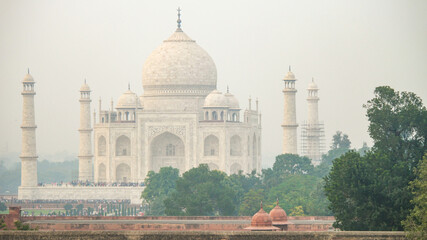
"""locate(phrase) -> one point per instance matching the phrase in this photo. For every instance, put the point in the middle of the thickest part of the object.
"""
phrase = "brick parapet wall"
(112, 235)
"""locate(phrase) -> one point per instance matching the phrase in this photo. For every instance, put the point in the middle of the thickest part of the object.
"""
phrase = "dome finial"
(179, 18)
(128, 85)
(261, 204)
(312, 79)
(290, 68)
(28, 70)
(228, 89)
(277, 201)
(85, 80)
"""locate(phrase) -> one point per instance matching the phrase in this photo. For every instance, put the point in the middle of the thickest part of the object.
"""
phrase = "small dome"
(28, 78)
(312, 85)
(290, 76)
(128, 100)
(262, 221)
(232, 101)
(278, 214)
(216, 99)
(85, 88)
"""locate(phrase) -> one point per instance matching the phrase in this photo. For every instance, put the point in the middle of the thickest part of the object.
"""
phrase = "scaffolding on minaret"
(313, 141)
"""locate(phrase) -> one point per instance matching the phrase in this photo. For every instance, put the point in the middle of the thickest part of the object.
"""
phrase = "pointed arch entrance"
(166, 150)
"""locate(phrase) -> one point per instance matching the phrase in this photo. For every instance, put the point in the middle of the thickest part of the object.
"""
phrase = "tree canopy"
(201, 192)
(371, 192)
(158, 187)
(416, 222)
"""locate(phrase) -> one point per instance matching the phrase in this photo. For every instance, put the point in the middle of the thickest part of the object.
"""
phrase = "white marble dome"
(128, 100)
(215, 99)
(28, 78)
(312, 85)
(179, 63)
(232, 101)
(85, 88)
(290, 76)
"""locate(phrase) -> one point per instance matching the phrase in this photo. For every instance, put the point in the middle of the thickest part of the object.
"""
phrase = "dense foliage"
(3, 206)
(202, 192)
(159, 186)
(416, 223)
(371, 192)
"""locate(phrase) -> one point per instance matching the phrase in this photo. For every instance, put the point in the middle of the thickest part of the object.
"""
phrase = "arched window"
(170, 150)
(127, 116)
(234, 117)
(211, 146)
(222, 116)
(207, 116)
(102, 146)
(123, 146)
(214, 116)
(167, 150)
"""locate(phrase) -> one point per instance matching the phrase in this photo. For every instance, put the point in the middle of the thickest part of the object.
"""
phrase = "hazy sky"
(349, 47)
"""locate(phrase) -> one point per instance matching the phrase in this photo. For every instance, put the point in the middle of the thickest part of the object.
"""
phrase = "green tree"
(340, 145)
(350, 197)
(2, 206)
(297, 211)
(158, 187)
(340, 140)
(398, 126)
(416, 223)
(299, 190)
(371, 192)
(68, 207)
(242, 184)
(287, 164)
(201, 192)
(79, 208)
(251, 201)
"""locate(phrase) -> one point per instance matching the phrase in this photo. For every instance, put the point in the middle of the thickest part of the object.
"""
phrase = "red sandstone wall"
(13, 216)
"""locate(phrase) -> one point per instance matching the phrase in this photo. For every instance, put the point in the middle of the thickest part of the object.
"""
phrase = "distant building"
(180, 120)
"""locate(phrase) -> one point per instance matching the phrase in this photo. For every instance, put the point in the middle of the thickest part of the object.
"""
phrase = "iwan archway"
(166, 150)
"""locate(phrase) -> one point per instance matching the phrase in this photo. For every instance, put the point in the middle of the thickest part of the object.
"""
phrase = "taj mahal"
(181, 120)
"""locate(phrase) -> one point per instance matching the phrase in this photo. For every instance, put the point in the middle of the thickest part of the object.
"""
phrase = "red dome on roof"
(261, 219)
(278, 214)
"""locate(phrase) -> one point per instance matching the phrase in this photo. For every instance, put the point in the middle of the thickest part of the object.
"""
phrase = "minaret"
(313, 128)
(29, 152)
(289, 119)
(312, 103)
(85, 130)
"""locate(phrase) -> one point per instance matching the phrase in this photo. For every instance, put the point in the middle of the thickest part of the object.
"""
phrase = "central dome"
(179, 65)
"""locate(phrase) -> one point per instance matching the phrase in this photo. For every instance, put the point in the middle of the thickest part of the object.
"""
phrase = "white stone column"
(29, 153)
(85, 132)
(289, 119)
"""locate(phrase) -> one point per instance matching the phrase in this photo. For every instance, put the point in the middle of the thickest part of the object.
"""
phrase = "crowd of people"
(77, 183)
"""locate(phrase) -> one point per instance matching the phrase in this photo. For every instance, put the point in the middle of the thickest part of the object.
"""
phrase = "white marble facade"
(180, 120)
